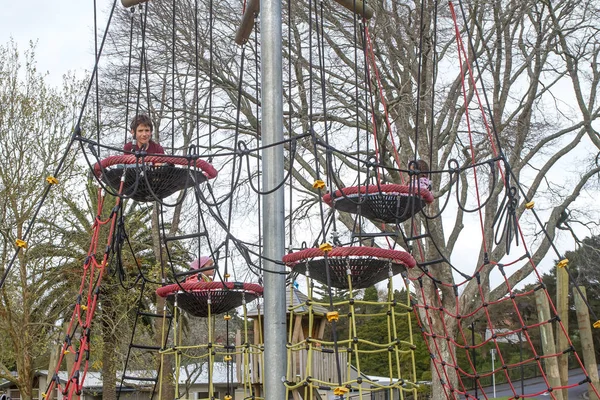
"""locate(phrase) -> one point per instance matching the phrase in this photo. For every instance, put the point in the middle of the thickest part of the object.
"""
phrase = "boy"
(141, 130)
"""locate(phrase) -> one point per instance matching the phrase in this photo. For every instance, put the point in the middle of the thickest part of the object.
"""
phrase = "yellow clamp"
(65, 352)
(596, 324)
(227, 317)
(52, 180)
(340, 391)
(227, 397)
(83, 307)
(530, 205)
(44, 395)
(563, 263)
(226, 276)
(332, 316)
(21, 243)
(325, 247)
(319, 184)
(227, 358)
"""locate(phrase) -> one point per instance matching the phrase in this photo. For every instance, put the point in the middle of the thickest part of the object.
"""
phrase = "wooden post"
(562, 304)
(247, 23)
(587, 343)
(131, 3)
(548, 347)
(357, 6)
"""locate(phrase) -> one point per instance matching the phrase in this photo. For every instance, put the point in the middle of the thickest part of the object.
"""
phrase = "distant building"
(503, 335)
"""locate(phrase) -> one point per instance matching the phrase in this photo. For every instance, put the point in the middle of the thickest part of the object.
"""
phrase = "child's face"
(142, 134)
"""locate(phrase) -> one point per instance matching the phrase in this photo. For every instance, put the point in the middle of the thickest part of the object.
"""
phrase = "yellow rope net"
(318, 365)
(242, 359)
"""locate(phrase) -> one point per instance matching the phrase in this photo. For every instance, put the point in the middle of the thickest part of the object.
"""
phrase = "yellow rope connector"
(227, 397)
(340, 391)
(596, 324)
(21, 243)
(83, 307)
(333, 316)
(226, 276)
(65, 352)
(530, 205)
(563, 263)
(319, 184)
(325, 247)
(52, 180)
(227, 358)
(227, 317)
(44, 395)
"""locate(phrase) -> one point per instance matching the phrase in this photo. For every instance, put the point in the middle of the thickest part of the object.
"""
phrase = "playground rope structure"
(391, 238)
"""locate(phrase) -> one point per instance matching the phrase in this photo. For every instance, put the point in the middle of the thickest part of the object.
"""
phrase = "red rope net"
(472, 337)
(78, 337)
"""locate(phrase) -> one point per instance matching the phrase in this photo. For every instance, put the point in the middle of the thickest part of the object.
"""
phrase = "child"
(421, 181)
(205, 276)
(141, 130)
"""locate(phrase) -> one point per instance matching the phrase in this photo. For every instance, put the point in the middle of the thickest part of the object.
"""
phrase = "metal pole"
(273, 205)
(474, 355)
(521, 361)
(493, 351)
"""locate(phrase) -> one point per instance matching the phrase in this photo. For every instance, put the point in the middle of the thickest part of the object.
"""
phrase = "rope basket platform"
(365, 265)
(384, 203)
(146, 182)
(198, 298)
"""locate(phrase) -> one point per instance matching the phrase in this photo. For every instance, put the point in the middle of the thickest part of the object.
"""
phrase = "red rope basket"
(202, 299)
(365, 266)
(389, 203)
(207, 169)
(155, 178)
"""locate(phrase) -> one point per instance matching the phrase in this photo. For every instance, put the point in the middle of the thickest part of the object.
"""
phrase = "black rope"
(481, 81)
(433, 82)
(97, 79)
(419, 72)
(173, 49)
(128, 85)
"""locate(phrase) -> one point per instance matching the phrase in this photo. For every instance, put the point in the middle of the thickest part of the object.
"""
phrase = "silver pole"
(493, 351)
(271, 69)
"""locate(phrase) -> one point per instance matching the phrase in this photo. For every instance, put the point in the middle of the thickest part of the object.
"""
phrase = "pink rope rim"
(372, 189)
(207, 169)
(251, 288)
(396, 256)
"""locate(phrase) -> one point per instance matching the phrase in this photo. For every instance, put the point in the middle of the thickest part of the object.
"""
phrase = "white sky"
(64, 31)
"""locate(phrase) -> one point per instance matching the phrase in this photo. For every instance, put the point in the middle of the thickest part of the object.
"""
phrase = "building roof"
(222, 373)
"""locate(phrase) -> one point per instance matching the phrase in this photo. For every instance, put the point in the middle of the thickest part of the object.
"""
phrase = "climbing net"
(320, 364)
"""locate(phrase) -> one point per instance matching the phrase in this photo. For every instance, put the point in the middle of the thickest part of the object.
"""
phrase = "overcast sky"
(64, 31)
